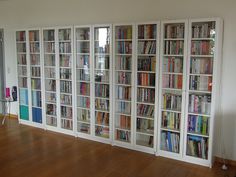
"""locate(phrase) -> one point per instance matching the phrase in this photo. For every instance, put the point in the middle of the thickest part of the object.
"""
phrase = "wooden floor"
(32, 152)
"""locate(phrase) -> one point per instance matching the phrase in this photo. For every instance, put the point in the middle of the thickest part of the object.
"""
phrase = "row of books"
(202, 47)
(66, 99)
(200, 104)
(144, 140)
(21, 59)
(123, 135)
(35, 71)
(65, 60)
(64, 34)
(65, 73)
(174, 47)
(102, 131)
(147, 31)
(34, 59)
(23, 94)
(197, 146)
(123, 77)
(66, 112)
(124, 32)
(37, 115)
(102, 104)
(123, 93)
(49, 47)
(172, 81)
(51, 109)
(22, 71)
(48, 35)
(102, 90)
(65, 47)
(82, 47)
(124, 47)
(146, 79)
(83, 88)
(147, 47)
(201, 66)
(84, 128)
(82, 61)
(102, 118)
(174, 31)
(170, 141)
(50, 73)
(22, 81)
(52, 121)
(102, 76)
(146, 126)
(66, 86)
(123, 107)
(173, 64)
(102, 49)
(67, 124)
(34, 47)
(123, 62)
(83, 101)
(21, 47)
(146, 64)
(144, 110)
(202, 83)
(123, 122)
(82, 33)
(36, 99)
(50, 85)
(198, 124)
(20, 36)
(170, 120)
(36, 84)
(146, 95)
(34, 35)
(102, 62)
(171, 101)
(50, 97)
(204, 30)
(83, 115)
(49, 60)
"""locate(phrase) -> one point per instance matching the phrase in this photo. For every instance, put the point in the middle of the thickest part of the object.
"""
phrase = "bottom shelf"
(197, 146)
(170, 141)
(52, 121)
(102, 131)
(67, 124)
(37, 115)
(122, 135)
(83, 127)
(144, 140)
(24, 112)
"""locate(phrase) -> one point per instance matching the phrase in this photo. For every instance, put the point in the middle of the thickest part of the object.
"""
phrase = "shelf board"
(66, 105)
(67, 80)
(80, 107)
(101, 54)
(172, 89)
(170, 130)
(49, 53)
(104, 83)
(20, 42)
(147, 39)
(151, 55)
(173, 39)
(149, 72)
(64, 53)
(82, 40)
(66, 41)
(83, 81)
(200, 91)
(64, 93)
(123, 40)
(123, 54)
(97, 69)
(100, 110)
(202, 39)
(48, 78)
(142, 86)
(152, 104)
(198, 114)
(124, 114)
(36, 66)
(67, 118)
(48, 41)
(122, 100)
(172, 55)
(104, 98)
(49, 102)
(23, 104)
(202, 56)
(197, 134)
(145, 133)
(34, 41)
(125, 85)
(47, 91)
(34, 53)
(128, 71)
(122, 129)
(83, 121)
(50, 67)
(79, 53)
(51, 115)
(36, 107)
(34, 77)
(198, 74)
(88, 96)
(168, 110)
(172, 73)
(147, 118)
(36, 90)
(100, 125)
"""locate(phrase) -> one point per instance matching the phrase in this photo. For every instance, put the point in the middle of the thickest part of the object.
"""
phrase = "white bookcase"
(28, 46)
(202, 88)
(123, 84)
(146, 86)
(173, 57)
(152, 87)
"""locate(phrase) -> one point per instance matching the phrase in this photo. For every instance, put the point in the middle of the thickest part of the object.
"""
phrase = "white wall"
(32, 13)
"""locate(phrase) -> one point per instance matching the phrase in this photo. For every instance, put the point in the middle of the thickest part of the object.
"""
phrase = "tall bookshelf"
(203, 78)
(50, 77)
(23, 74)
(102, 76)
(146, 82)
(34, 37)
(172, 88)
(123, 84)
(65, 58)
(83, 49)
